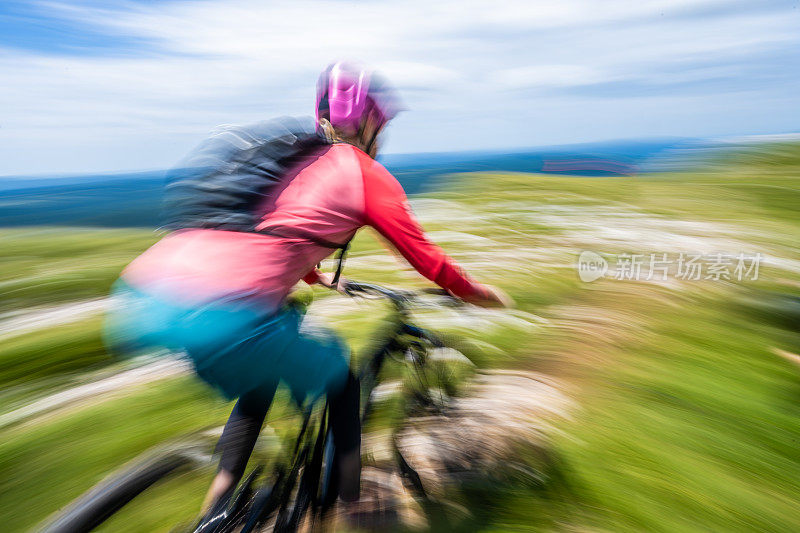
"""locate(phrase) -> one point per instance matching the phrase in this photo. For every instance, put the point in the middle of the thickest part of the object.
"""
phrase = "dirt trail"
(20, 322)
(478, 436)
(95, 391)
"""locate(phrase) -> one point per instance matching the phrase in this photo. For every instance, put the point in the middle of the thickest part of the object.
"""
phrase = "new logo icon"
(591, 266)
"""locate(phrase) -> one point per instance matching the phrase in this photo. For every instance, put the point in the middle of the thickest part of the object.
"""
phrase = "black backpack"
(222, 181)
(228, 176)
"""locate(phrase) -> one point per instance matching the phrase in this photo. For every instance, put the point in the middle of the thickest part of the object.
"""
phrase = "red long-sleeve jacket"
(325, 199)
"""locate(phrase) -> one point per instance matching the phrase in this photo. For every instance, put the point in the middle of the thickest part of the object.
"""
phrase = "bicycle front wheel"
(103, 501)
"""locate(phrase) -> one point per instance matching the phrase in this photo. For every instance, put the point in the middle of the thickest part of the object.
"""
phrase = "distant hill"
(130, 200)
(133, 199)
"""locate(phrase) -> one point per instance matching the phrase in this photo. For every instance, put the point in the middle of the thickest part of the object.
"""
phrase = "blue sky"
(95, 86)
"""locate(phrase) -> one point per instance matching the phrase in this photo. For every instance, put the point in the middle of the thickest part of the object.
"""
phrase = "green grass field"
(687, 397)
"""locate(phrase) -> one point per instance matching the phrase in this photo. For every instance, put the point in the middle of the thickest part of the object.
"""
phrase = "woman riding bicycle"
(220, 295)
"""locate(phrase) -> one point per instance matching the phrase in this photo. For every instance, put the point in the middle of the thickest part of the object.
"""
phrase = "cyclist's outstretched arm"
(386, 209)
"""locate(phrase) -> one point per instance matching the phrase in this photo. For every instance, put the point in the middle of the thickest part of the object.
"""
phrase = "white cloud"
(548, 76)
(462, 66)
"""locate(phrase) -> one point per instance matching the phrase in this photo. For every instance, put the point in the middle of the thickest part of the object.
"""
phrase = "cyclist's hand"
(493, 297)
(326, 280)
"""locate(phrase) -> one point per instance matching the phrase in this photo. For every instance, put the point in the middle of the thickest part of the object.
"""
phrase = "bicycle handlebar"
(397, 296)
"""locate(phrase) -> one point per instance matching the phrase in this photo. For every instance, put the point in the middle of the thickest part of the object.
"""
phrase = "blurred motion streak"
(575, 334)
(568, 166)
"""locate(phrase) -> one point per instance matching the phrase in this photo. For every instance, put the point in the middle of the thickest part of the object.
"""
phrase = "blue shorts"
(233, 345)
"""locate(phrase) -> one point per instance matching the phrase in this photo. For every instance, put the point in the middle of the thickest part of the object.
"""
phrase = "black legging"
(244, 425)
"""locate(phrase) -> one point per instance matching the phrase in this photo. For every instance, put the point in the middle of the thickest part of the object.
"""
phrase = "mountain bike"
(302, 491)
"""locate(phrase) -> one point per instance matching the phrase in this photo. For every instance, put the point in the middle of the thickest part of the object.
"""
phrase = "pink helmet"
(348, 93)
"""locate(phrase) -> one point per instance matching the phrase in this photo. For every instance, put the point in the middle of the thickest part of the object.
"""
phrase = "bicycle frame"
(317, 485)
